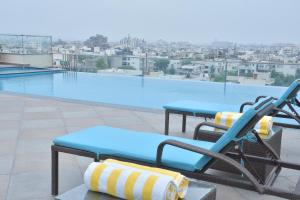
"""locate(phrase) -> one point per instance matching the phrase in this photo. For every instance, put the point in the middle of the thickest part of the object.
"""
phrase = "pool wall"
(9, 72)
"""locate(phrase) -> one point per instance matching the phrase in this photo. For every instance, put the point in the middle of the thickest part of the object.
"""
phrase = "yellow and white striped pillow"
(131, 181)
(263, 127)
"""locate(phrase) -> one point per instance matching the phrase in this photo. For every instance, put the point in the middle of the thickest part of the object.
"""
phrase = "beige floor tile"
(6, 163)
(27, 146)
(84, 122)
(41, 133)
(41, 115)
(80, 114)
(7, 147)
(10, 108)
(42, 123)
(35, 162)
(4, 181)
(31, 185)
(9, 124)
(40, 109)
(9, 134)
(10, 116)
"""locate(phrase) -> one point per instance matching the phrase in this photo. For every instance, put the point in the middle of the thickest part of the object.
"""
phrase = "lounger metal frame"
(281, 113)
(248, 180)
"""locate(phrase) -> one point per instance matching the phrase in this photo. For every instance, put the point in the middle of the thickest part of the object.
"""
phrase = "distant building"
(97, 50)
(175, 64)
(126, 61)
(129, 42)
(131, 61)
(57, 59)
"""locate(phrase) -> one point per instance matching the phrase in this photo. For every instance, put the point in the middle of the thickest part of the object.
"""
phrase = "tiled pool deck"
(28, 125)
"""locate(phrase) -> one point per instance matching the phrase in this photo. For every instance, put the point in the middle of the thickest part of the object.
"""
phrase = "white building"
(174, 64)
(57, 58)
(97, 49)
(131, 61)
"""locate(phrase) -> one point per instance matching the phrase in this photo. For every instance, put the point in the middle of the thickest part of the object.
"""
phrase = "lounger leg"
(167, 117)
(54, 171)
(183, 123)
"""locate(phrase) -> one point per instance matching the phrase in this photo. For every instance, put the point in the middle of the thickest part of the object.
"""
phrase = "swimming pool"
(131, 90)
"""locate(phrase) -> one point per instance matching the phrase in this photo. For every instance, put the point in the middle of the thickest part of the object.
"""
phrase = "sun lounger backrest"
(241, 127)
(244, 124)
(289, 93)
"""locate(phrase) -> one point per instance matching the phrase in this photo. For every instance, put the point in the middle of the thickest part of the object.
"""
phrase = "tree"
(97, 41)
(282, 80)
(161, 64)
(101, 64)
(232, 73)
(249, 74)
(297, 75)
(219, 78)
(81, 58)
(60, 42)
(171, 71)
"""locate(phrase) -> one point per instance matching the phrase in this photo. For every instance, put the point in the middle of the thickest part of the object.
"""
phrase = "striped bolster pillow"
(263, 127)
(131, 181)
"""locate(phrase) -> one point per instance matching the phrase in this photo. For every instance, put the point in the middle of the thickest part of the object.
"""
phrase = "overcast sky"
(198, 21)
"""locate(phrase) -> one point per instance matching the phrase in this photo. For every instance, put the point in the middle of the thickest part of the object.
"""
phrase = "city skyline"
(198, 22)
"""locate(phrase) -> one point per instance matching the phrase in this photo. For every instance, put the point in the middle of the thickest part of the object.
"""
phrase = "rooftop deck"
(28, 125)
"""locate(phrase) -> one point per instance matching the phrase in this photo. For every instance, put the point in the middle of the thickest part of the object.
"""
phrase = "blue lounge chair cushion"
(232, 133)
(134, 145)
(139, 146)
(201, 107)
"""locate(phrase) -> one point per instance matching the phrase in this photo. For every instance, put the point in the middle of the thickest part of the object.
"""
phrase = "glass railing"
(247, 72)
(25, 44)
(223, 71)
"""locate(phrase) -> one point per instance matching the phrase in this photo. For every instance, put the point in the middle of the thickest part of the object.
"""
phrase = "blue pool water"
(132, 91)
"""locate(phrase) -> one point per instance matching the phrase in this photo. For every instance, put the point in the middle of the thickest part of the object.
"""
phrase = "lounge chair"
(190, 157)
(286, 114)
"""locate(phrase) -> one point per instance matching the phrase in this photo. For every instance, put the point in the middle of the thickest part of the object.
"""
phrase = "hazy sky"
(198, 21)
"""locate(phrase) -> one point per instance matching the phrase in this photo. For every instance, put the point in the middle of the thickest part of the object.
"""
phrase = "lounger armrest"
(246, 104)
(210, 124)
(202, 151)
(252, 103)
(260, 97)
(180, 145)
